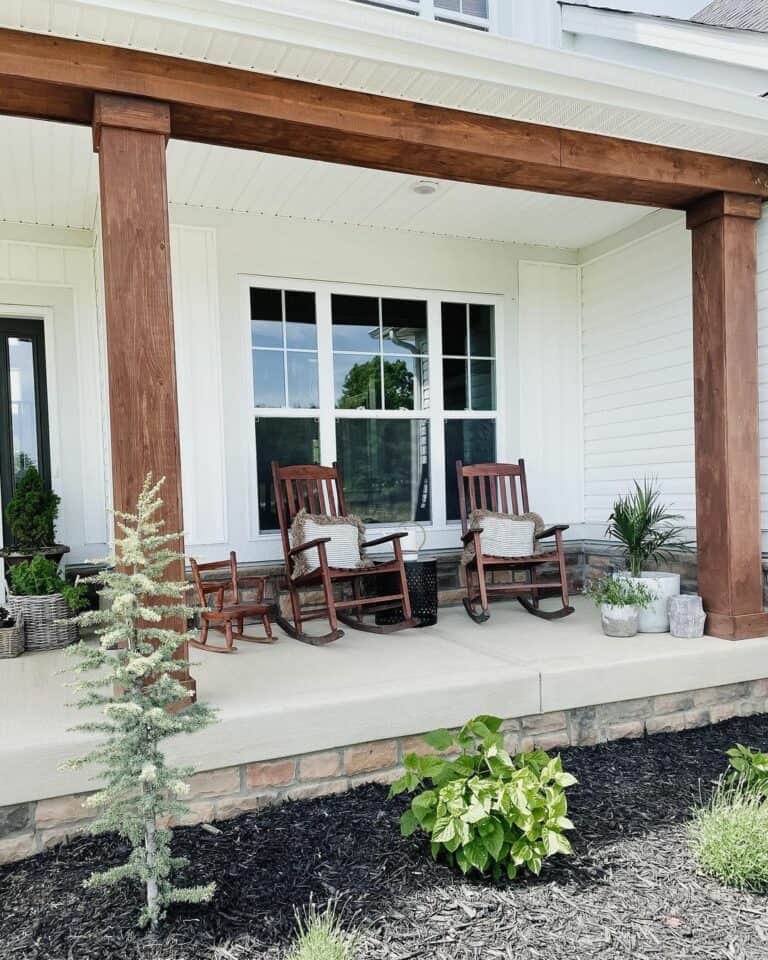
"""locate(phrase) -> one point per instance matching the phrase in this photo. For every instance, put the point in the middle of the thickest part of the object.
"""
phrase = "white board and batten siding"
(638, 373)
(550, 389)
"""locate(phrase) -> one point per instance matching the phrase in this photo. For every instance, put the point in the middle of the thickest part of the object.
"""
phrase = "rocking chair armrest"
(551, 531)
(309, 545)
(469, 535)
(390, 538)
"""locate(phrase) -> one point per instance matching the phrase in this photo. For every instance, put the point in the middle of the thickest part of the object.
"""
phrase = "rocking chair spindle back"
(503, 488)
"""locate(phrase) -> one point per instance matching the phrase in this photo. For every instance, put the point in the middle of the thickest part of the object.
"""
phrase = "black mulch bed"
(631, 890)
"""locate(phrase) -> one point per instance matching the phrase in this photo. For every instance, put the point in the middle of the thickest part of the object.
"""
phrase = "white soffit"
(348, 44)
(49, 175)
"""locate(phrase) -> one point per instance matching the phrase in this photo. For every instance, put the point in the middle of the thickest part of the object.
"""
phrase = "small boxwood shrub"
(32, 511)
(729, 837)
(485, 810)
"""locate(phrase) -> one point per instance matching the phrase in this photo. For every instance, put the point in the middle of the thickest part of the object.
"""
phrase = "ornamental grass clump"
(321, 937)
(729, 837)
(133, 687)
(486, 811)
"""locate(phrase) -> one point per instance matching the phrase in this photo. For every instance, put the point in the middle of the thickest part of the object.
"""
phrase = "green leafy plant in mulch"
(32, 511)
(729, 837)
(130, 677)
(645, 527)
(749, 769)
(40, 577)
(321, 937)
(485, 810)
(619, 592)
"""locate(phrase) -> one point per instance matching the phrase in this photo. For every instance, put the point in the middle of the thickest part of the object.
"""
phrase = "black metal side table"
(422, 587)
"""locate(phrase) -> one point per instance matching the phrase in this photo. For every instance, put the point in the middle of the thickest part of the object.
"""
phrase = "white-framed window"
(393, 384)
(479, 14)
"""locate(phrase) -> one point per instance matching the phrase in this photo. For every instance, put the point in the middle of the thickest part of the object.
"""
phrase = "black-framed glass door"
(24, 439)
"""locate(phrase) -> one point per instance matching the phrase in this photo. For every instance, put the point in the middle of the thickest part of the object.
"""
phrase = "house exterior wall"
(49, 273)
(638, 373)
(213, 251)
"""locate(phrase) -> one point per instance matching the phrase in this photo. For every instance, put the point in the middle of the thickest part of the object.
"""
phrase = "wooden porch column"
(130, 136)
(726, 413)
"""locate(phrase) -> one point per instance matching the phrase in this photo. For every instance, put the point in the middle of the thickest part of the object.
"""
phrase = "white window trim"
(441, 533)
(428, 10)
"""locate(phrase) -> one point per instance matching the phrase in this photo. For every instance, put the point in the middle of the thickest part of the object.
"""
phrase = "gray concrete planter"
(619, 621)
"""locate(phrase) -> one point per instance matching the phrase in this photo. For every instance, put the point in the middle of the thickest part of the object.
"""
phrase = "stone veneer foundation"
(29, 828)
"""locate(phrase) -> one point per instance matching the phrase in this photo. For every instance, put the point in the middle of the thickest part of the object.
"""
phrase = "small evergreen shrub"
(749, 769)
(485, 810)
(134, 688)
(320, 937)
(32, 511)
(40, 577)
(729, 837)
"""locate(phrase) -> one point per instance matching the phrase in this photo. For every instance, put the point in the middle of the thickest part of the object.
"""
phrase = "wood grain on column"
(726, 414)
(130, 136)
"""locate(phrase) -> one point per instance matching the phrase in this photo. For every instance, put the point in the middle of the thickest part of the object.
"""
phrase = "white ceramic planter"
(655, 617)
(619, 621)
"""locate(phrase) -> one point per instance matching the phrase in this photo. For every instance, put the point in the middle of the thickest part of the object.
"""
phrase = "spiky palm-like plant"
(645, 527)
(134, 687)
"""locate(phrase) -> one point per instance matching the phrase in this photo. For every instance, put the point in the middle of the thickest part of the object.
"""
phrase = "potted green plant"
(620, 600)
(648, 531)
(31, 516)
(42, 600)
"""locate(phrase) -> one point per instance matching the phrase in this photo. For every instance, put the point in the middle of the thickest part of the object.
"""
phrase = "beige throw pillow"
(503, 534)
(344, 550)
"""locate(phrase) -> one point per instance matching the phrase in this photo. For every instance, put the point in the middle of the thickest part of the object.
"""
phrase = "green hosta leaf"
(494, 839)
(444, 830)
(408, 823)
(477, 854)
(565, 779)
(439, 739)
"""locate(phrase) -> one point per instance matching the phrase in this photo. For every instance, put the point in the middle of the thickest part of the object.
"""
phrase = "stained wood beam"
(725, 368)
(130, 137)
(46, 76)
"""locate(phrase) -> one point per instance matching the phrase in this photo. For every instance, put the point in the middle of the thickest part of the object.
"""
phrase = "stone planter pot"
(655, 617)
(686, 617)
(619, 621)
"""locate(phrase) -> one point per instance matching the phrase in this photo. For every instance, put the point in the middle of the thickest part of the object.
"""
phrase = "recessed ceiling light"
(425, 187)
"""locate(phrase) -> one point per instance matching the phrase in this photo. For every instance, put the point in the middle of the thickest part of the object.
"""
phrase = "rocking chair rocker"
(319, 490)
(502, 488)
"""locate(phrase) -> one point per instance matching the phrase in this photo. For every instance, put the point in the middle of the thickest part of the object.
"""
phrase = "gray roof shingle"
(736, 14)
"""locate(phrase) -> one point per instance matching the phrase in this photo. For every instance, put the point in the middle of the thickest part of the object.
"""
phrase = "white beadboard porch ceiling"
(360, 47)
(49, 175)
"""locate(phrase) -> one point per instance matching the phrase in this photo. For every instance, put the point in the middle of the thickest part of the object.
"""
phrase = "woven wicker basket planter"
(11, 641)
(39, 616)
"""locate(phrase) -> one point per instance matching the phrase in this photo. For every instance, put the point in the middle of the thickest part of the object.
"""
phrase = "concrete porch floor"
(290, 698)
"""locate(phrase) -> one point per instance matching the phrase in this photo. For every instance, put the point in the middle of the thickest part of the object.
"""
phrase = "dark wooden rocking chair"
(502, 488)
(228, 608)
(319, 490)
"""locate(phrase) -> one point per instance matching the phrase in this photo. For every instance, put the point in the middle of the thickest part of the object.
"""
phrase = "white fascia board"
(742, 47)
(383, 37)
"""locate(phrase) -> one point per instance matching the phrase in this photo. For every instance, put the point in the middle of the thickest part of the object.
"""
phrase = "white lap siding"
(638, 373)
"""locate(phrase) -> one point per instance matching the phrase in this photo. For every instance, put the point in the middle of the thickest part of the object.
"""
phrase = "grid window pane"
(454, 326)
(290, 441)
(358, 381)
(404, 326)
(483, 384)
(471, 441)
(355, 323)
(266, 318)
(300, 321)
(268, 378)
(385, 465)
(481, 330)
(406, 383)
(302, 379)
(455, 384)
